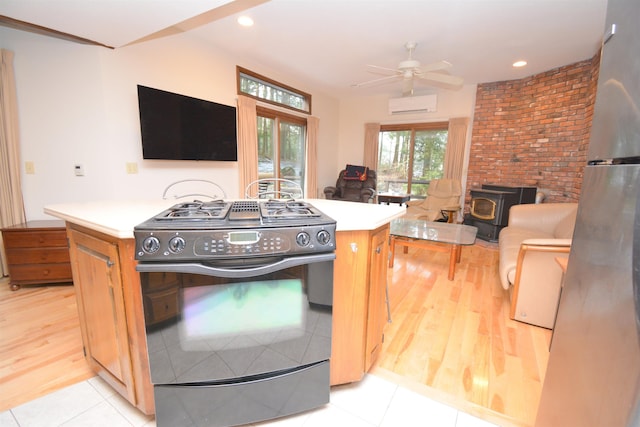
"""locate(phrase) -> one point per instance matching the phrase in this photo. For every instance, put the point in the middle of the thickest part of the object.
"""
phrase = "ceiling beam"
(5, 21)
(208, 17)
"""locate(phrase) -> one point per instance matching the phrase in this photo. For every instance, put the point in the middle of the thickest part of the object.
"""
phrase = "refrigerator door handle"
(610, 33)
(635, 264)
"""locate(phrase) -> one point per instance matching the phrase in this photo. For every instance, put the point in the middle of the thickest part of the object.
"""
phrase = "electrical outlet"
(29, 168)
(132, 167)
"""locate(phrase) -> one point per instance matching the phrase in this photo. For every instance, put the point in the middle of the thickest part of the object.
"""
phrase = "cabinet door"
(96, 269)
(377, 310)
(350, 278)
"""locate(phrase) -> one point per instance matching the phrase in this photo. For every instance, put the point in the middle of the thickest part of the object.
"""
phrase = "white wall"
(78, 105)
(355, 112)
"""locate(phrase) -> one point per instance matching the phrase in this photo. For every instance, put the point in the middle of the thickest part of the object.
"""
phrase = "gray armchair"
(353, 190)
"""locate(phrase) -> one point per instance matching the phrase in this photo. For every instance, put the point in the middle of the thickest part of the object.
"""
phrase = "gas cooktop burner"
(196, 210)
(222, 212)
(283, 209)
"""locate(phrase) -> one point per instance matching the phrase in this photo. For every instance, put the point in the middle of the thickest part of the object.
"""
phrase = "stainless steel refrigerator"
(593, 376)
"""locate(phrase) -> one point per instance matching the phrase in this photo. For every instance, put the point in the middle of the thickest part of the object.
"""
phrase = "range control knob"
(150, 245)
(323, 237)
(176, 244)
(303, 239)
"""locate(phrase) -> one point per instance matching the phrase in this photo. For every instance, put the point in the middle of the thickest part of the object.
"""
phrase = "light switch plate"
(30, 168)
(132, 167)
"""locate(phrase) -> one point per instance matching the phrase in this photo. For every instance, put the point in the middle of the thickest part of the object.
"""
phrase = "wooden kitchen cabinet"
(110, 308)
(359, 302)
(36, 253)
(108, 290)
(377, 316)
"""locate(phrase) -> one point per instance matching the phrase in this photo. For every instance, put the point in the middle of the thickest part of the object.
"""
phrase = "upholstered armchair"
(442, 195)
(535, 236)
(353, 190)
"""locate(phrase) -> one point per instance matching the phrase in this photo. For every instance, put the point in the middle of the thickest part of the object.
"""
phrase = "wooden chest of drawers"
(37, 252)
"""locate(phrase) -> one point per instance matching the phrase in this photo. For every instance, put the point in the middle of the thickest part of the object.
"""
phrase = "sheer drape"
(311, 173)
(371, 137)
(247, 142)
(11, 203)
(454, 155)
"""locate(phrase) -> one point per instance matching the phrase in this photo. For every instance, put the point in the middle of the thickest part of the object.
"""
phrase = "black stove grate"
(196, 210)
(274, 210)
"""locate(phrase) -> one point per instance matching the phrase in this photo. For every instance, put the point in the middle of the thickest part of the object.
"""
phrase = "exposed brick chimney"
(534, 131)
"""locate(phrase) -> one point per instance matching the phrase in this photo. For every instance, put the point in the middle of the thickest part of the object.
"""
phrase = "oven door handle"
(208, 270)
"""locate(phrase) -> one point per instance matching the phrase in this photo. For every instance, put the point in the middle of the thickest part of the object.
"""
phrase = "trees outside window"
(281, 147)
(268, 90)
(410, 156)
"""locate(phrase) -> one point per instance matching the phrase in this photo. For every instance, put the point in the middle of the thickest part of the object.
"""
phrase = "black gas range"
(201, 231)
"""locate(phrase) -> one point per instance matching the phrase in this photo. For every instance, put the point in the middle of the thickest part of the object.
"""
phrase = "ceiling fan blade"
(376, 81)
(382, 70)
(442, 80)
(436, 66)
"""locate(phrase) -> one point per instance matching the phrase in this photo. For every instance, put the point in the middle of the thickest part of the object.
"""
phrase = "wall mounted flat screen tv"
(179, 127)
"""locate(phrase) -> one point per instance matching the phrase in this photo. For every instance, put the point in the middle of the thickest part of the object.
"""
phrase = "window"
(265, 89)
(410, 156)
(281, 147)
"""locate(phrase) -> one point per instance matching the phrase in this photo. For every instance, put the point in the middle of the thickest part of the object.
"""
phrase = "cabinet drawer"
(40, 273)
(35, 239)
(164, 305)
(38, 256)
(156, 281)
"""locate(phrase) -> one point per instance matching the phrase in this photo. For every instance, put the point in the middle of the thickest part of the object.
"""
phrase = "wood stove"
(490, 205)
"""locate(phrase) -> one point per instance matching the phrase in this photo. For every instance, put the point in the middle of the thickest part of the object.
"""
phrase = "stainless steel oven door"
(236, 319)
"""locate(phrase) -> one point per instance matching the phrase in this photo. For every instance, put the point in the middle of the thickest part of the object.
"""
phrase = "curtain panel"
(247, 142)
(311, 174)
(11, 201)
(454, 155)
(371, 137)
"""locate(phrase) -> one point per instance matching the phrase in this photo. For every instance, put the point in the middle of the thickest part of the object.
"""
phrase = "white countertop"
(118, 217)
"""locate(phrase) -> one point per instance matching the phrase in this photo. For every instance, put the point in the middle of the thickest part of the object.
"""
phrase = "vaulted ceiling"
(331, 42)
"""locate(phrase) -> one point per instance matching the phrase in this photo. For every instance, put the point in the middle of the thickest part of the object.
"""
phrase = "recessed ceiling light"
(245, 21)
(519, 64)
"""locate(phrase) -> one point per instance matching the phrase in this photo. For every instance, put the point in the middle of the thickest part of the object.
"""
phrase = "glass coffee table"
(437, 236)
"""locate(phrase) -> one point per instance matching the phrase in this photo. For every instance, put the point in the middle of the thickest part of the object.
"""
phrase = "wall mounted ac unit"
(413, 104)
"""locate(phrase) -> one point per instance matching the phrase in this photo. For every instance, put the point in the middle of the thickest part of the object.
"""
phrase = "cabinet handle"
(109, 262)
(378, 249)
(354, 247)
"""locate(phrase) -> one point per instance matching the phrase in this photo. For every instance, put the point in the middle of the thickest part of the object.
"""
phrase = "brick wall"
(534, 131)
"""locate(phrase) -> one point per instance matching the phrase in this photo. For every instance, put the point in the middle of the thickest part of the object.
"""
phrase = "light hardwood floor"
(456, 336)
(452, 340)
(40, 342)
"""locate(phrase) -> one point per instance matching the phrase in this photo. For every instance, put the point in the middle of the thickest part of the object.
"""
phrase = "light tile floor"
(374, 401)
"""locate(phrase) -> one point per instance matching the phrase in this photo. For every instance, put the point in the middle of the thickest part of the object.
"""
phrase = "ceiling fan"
(435, 74)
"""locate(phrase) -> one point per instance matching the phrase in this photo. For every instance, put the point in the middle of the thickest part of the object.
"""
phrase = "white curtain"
(11, 202)
(247, 142)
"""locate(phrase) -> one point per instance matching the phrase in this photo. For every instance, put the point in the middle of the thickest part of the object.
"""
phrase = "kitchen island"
(102, 250)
